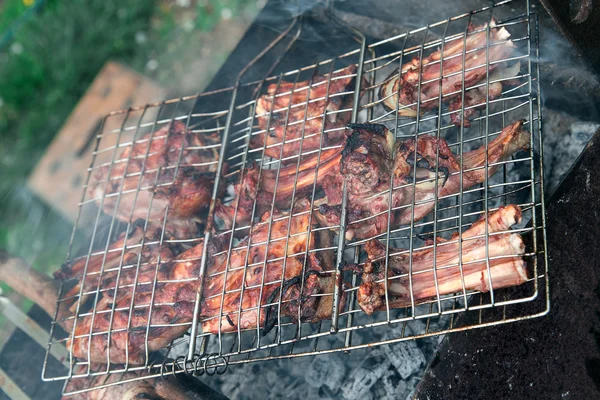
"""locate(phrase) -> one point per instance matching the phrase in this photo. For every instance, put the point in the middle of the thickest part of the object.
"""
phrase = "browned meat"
(185, 195)
(138, 317)
(475, 99)
(366, 165)
(125, 249)
(43, 291)
(369, 160)
(267, 186)
(402, 91)
(125, 254)
(276, 262)
(366, 159)
(155, 306)
(288, 102)
(505, 250)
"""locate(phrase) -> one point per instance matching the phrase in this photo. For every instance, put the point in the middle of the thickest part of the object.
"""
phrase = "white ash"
(389, 371)
(320, 373)
(564, 139)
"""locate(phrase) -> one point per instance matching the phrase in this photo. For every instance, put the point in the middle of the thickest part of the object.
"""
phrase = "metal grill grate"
(518, 181)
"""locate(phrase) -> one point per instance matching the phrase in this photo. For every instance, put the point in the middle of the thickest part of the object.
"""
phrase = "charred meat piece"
(153, 308)
(267, 186)
(131, 249)
(43, 291)
(45, 294)
(304, 110)
(366, 158)
(144, 310)
(476, 98)
(506, 265)
(173, 168)
(264, 261)
(401, 91)
(111, 258)
(428, 160)
(127, 247)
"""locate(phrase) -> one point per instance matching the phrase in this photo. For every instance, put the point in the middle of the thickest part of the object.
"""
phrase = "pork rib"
(145, 310)
(289, 102)
(269, 261)
(402, 90)
(268, 186)
(506, 265)
(476, 98)
(43, 291)
(133, 248)
(184, 195)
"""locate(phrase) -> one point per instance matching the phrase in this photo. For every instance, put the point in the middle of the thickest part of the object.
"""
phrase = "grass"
(46, 68)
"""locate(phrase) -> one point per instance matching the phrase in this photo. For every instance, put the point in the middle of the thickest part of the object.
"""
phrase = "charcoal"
(412, 384)
(391, 386)
(364, 376)
(326, 370)
(406, 357)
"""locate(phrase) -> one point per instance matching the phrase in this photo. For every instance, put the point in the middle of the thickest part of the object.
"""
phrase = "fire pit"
(278, 267)
(231, 113)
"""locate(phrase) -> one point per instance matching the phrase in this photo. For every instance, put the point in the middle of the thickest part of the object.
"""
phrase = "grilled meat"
(174, 170)
(476, 98)
(154, 307)
(43, 291)
(253, 276)
(370, 162)
(401, 91)
(267, 186)
(442, 275)
(124, 249)
(145, 309)
(131, 248)
(300, 112)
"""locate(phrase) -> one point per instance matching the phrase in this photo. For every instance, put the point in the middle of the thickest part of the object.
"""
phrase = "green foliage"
(44, 72)
(210, 12)
(60, 52)
(11, 10)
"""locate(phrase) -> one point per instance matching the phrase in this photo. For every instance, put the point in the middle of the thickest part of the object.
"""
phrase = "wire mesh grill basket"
(128, 288)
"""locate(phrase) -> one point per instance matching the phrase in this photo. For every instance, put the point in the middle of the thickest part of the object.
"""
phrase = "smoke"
(34, 232)
(567, 83)
(279, 13)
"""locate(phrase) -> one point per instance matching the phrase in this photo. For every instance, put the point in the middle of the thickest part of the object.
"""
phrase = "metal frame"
(213, 353)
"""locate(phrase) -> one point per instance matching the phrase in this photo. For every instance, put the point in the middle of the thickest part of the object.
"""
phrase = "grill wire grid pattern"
(518, 181)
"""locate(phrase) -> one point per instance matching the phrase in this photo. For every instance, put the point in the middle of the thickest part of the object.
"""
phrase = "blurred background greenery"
(50, 52)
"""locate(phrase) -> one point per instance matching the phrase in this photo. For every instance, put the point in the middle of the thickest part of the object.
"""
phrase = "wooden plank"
(61, 173)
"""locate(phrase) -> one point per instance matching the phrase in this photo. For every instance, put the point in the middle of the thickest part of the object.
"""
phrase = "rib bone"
(504, 256)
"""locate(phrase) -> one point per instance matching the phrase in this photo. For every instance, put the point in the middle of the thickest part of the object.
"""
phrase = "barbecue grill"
(231, 114)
